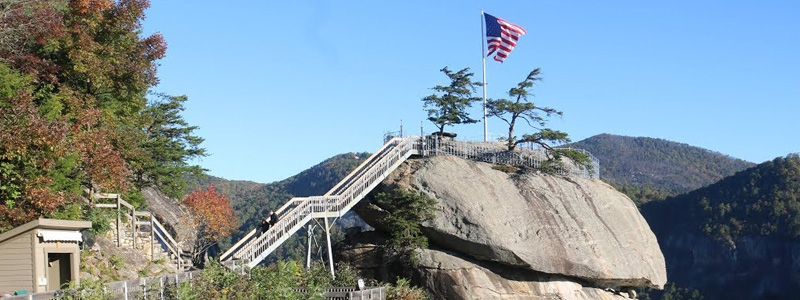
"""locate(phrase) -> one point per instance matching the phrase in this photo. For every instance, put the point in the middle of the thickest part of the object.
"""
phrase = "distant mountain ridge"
(665, 166)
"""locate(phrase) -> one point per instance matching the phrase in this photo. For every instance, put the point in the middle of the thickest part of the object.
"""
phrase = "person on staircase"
(265, 223)
(273, 218)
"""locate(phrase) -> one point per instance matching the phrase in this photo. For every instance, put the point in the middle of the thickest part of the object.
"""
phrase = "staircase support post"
(310, 234)
(330, 252)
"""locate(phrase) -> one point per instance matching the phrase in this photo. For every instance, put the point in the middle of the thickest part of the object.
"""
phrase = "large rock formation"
(579, 232)
(174, 216)
(449, 276)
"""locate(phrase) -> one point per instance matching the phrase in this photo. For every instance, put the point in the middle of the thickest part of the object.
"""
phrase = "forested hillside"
(78, 109)
(649, 168)
(763, 200)
(737, 238)
(252, 201)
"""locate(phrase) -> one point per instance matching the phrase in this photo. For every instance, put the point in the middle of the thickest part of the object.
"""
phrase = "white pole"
(483, 57)
(310, 234)
(330, 253)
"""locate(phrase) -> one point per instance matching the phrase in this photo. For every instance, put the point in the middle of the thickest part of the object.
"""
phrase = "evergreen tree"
(521, 108)
(448, 105)
(168, 144)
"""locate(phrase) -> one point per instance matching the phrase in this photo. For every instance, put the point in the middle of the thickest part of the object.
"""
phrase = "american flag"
(501, 36)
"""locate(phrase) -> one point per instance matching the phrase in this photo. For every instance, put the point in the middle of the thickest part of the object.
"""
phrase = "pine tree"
(448, 105)
(521, 108)
(168, 144)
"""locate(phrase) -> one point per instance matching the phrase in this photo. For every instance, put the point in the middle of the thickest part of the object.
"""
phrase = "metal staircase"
(335, 203)
(299, 211)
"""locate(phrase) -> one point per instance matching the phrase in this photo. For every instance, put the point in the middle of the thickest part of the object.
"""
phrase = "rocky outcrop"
(103, 260)
(452, 277)
(174, 216)
(564, 235)
(558, 225)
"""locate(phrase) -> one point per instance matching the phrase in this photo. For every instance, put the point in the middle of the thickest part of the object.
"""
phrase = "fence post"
(152, 238)
(143, 284)
(161, 286)
(133, 226)
(119, 222)
(125, 290)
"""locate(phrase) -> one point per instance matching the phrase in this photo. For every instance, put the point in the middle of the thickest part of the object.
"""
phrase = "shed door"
(58, 270)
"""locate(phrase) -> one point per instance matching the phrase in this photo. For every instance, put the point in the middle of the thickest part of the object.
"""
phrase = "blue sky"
(278, 86)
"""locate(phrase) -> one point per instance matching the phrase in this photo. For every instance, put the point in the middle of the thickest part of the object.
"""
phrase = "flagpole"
(483, 57)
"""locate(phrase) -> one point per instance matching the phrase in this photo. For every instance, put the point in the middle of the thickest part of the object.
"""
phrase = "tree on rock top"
(519, 108)
(448, 105)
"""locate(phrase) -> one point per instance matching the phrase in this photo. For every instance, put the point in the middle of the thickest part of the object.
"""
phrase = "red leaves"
(26, 133)
(213, 211)
(80, 74)
(90, 6)
(155, 47)
(29, 147)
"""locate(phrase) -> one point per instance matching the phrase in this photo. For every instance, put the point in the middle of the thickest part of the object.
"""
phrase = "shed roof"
(43, 223)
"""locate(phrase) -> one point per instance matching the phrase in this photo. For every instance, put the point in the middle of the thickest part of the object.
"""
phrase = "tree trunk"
(510, 143)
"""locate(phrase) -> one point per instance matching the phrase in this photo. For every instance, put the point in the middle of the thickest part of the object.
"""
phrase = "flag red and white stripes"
(501, 36)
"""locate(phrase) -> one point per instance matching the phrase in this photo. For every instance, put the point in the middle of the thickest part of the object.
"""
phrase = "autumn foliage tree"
(213, 214)
(75, 76)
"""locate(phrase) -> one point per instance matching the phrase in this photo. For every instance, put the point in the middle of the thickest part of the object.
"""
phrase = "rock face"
(557, 225)
(453, 277)
(174, 216)
(525, 235)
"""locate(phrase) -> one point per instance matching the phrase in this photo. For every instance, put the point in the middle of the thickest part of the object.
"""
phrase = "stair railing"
(157, 230)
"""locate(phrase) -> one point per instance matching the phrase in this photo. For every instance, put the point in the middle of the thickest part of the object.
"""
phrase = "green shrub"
(406, 211)
(100, 219)
(135, 198)
(117, 262)
(87, 290)
(402, 290)
(218, 282)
